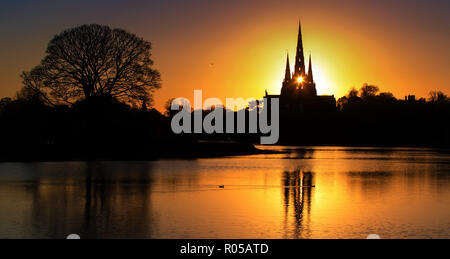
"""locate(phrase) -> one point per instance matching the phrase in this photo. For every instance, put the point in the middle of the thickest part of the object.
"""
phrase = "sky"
(233, 48)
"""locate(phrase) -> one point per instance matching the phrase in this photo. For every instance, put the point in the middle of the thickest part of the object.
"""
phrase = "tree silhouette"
(168, 107)
(386, 97)
(351, 97)
(368, 91)
(94, 61)
(438, 97)
(4, 102)
(352, 93)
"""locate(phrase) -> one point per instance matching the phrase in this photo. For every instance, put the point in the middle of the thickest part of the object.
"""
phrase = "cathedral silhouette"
(298, 91)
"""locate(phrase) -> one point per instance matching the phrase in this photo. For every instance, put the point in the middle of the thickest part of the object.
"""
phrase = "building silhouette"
(298, 91)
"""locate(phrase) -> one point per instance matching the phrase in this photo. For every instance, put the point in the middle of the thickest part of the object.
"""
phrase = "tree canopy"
(94, 61)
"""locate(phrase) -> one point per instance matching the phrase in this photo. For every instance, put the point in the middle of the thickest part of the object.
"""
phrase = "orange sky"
(238, 48)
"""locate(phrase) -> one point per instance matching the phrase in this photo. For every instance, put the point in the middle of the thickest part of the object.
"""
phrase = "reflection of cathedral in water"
(298, 188)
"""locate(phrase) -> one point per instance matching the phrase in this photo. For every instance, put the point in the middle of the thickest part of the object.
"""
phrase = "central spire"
(299, 58)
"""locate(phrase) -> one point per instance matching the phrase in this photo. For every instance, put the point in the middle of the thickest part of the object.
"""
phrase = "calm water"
(317, 192)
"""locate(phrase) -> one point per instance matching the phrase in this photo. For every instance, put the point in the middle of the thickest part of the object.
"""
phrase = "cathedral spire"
(299, 58)
(287, 75)
(310, 72)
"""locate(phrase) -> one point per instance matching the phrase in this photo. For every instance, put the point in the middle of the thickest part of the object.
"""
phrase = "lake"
(299, 192)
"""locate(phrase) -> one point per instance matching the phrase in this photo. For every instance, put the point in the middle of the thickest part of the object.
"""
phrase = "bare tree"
(438, 96)
(352, 93)
(168, 107)
(34, 89)
(4, 102)
(95, 60)
(368, 91)
(386, 97)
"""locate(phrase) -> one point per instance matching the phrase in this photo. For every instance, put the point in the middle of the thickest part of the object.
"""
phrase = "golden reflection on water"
(312, 192)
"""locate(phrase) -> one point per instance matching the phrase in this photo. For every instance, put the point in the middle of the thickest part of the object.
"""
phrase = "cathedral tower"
(299, 69)
(298, 84)
(298, 92)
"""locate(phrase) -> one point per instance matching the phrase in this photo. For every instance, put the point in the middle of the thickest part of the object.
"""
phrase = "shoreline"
(189, 151)
(184, 150)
